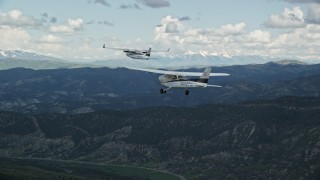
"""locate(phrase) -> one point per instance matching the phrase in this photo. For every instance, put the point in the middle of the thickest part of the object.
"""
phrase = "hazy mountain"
(17, 54)
(186, 61)
(21, 59)
(277, 139)
(88, 89)
(15, 58)
(287, 62)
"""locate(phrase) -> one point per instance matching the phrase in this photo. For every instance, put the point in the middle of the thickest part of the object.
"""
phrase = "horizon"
(16, 58)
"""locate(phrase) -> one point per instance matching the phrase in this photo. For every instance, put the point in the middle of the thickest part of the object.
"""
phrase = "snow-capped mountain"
(190, 59)
(185, 61)
(21, 59)
(224, 58)
(23, 55)
(204, 59)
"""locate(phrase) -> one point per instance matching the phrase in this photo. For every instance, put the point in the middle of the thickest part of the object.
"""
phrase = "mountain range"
(17, 54)
(16, 58)
(262, 124)
(81, 90)
(268, 139)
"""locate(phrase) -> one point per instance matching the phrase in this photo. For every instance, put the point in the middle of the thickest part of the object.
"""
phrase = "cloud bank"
(72, 25)
(290, 18)
(17, 18)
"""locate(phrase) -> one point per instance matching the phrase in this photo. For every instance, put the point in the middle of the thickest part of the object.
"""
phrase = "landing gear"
(163, 91)
(186, 92)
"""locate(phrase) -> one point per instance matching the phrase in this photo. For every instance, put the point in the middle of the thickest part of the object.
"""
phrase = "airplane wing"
(121, 49)
(178, 73)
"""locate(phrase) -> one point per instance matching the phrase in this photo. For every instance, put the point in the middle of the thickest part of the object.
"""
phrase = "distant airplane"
(175, 79)
(136, 54)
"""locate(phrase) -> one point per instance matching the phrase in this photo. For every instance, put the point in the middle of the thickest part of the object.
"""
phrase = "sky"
(77, 29)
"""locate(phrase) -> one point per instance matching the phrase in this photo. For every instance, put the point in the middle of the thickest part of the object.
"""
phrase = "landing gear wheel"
(162, 91)
(186, 92)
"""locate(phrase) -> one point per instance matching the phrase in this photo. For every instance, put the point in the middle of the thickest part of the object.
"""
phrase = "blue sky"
(76, 29)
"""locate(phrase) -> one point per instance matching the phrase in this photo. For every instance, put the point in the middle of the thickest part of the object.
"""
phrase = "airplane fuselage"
(184, 84)
(143, 54)
(138, 54)
(172, 81)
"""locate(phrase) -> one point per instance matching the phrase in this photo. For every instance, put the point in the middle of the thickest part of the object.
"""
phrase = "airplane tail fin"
(205, 75)
(148, 52)
(104, 46)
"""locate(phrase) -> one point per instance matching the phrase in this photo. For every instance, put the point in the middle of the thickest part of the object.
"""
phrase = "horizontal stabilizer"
(121, 49)
(213, 86)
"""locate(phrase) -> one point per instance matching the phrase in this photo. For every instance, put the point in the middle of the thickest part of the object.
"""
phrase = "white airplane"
(175, 79)
(136, 54)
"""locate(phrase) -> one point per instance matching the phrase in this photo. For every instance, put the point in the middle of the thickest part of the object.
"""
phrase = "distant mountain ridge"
(83, 90)
(16, 58)
(23, 55)
(287, 61)
(21, 59)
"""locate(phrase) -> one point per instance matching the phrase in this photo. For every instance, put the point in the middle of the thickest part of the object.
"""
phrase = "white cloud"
(70, 27)
(61, 29)
(259, 36)
(171, 27)
(298, 43)
(173, 31)
(313, 15)
(226, 30)
(51, 39)
(13, 37)
(168, 26)
(301, 42)
(232, 29)
(290, 18)
(75, 24)
(310, 33)
(52, 49)
(17, 18)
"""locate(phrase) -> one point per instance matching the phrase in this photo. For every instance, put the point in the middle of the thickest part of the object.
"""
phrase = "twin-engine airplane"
(136, 54)
(175, 79)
